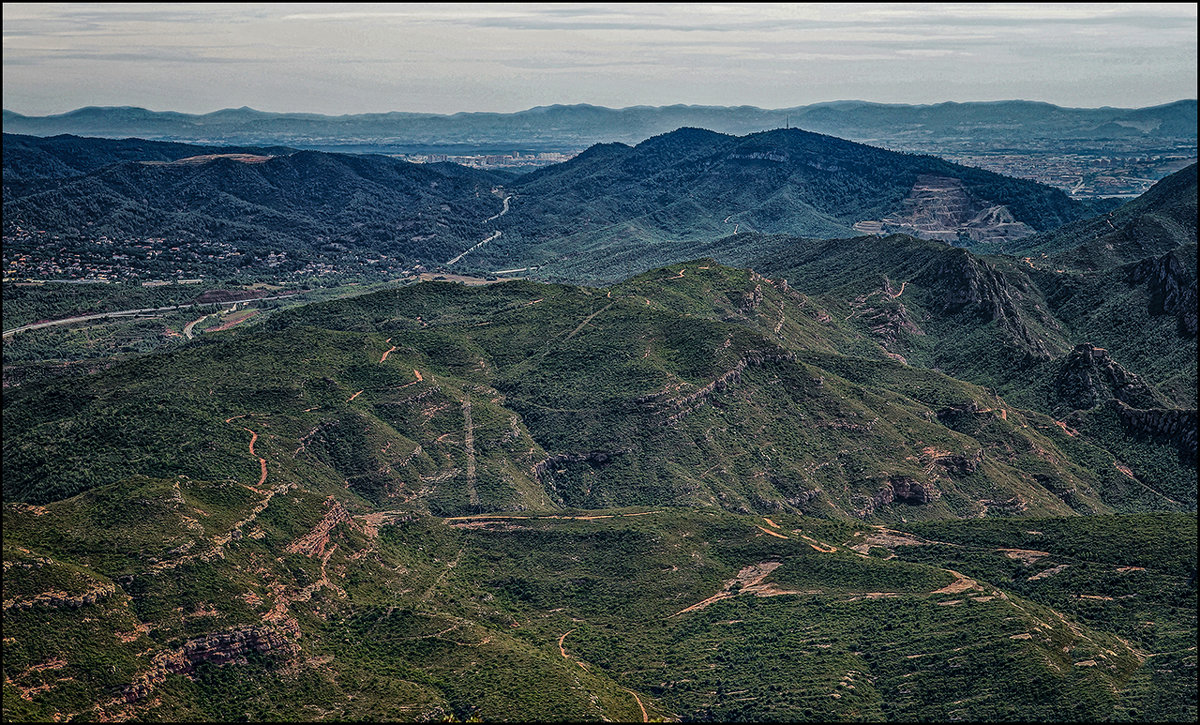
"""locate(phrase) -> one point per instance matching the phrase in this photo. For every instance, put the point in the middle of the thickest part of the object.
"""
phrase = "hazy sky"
(356, 58)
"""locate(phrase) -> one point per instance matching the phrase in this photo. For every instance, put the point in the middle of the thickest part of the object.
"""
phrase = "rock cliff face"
(219, 648)
(1089, 376)
(964, 282)
(904, 489)
(598, 458)
(1172, 288)
(1171, 424)
(62, 600)
(670, 410)
(313, 543)
(899, 490)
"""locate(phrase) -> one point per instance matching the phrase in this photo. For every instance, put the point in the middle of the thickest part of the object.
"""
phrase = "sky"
(447, 58)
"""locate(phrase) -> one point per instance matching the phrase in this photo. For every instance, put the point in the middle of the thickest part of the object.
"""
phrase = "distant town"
(516, 159)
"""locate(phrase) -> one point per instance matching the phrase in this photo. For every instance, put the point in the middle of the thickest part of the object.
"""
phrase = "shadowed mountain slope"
(613, 207)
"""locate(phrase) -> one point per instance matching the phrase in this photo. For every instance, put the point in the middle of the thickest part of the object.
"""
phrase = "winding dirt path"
(638, 700)
(560, 644)
(388, 352)
(262, 462)
(645, 717)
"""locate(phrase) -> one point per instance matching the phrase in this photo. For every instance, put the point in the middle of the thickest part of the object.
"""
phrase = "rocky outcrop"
(1172, 288)
(751, 300)
(219, 648)
(670, 410)
(62, 600)
(900, 489)
(960, 463)
(904, 489)
(313, 543)
(965, 282)
(1088, 376)
(1175, 425)
(598, 458)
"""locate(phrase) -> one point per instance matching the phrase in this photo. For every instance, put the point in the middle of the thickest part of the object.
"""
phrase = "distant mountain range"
(560, 127)
(623, 208)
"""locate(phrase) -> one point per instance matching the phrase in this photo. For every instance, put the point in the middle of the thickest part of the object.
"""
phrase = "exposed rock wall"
(671, 410)
(313, 543)
(61, 600)
(1089, 375)
(1171, 424)
(219, 648)
(1172, 288)
(596, 457)
(963, 282)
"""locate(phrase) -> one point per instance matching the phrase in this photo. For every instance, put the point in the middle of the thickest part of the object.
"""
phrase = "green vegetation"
(558, 618)
(665, 499)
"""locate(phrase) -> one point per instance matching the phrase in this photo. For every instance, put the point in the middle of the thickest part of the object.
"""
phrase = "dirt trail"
(587, 320)
(469, 444)
(352, 397)
(388, 352)
(1066, 429)
(509, 517)
(262, 462)
(418, 374)
(961, 584)
(560, 645)
(638, 700)
(771, 523)
(749, 581)
(823, 548)
(645, 717)
(279, 608)
(772, 533)
(442, 577)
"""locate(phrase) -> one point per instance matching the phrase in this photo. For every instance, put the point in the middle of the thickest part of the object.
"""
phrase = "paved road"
(130, 313)
(495, 233)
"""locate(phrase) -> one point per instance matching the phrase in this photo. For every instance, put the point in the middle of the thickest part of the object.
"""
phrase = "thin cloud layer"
(468, 57)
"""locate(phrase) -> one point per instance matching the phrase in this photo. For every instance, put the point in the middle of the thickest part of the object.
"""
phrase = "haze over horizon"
(349, 59)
